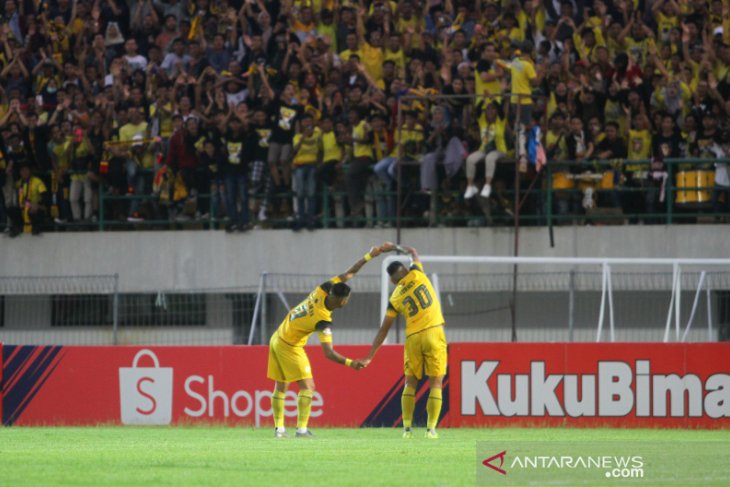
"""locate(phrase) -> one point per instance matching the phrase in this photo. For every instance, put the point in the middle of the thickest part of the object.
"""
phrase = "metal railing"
(567, 300)
(682, 202)
(517, 201)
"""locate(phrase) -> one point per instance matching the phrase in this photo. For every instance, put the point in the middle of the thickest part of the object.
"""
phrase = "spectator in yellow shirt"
(524, 77)
(362, 151)
(31, 207)
(307, 155)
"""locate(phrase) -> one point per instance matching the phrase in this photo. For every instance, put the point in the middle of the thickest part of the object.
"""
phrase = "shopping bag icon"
(145, 393)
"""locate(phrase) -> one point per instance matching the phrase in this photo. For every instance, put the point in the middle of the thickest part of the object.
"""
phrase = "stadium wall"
(149, 261)
(613, 385)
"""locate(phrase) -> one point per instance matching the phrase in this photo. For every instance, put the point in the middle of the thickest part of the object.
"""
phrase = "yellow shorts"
(427, 349)
(287, 363)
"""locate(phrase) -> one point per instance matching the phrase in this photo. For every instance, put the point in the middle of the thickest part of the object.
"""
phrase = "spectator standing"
(134, 132)
(307, 156)
(31, 203)
(82, 152)
(236, 176)
(284, 113)
(360, 165)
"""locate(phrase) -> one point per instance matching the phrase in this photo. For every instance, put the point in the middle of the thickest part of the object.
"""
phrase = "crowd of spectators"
(244, 109)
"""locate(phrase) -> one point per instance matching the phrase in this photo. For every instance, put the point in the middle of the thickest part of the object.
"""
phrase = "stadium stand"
(327, 113)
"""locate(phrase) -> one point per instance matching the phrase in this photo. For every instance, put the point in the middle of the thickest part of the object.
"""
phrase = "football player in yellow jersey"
(425, 348)
(288, 362)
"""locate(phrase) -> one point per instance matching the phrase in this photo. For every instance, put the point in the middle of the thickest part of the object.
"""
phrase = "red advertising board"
(617, 384)
(179, 385)
(635, 385)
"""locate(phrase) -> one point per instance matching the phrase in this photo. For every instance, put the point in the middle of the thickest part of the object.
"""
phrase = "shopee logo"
(145, 393)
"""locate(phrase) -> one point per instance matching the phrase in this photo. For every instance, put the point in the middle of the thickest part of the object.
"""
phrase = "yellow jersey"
(165, 115)
(560, 145)
(309, 150)
(347, 54)
(80, 151)
(494, 86)
(415, 299)
(399, 59)
(639, 148)
(362, 145)
(493, 134)
(522, 72)
(30, 192)
(307, 317)
(62, 155)
(332, 150)
(412, 137)
(372, 59)
(129, 131)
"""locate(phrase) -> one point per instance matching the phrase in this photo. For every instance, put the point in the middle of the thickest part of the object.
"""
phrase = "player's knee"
(411, 381)
(436, 382)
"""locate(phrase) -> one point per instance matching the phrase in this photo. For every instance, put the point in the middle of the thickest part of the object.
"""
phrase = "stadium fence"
(484, 299)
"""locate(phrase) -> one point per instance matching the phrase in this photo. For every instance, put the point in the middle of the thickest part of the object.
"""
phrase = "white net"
(482, 302)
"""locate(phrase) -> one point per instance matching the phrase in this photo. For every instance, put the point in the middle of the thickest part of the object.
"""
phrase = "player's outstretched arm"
(413, 253)
(390, 246)
(379, 338)
(350, 273)
(331, 354)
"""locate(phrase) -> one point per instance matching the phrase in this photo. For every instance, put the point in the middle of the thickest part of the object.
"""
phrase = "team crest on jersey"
(264, 135)
(286, 116)
(234, 152)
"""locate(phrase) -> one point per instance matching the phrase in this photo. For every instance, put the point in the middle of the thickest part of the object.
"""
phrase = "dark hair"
(612, 124)
(393, 267)
(340, 290)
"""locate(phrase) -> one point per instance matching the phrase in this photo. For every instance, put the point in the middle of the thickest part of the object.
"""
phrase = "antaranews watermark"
(633, 462)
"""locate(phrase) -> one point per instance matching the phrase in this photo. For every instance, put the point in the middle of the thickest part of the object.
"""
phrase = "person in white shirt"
(134, 60)
(177, 61)
(722, 181)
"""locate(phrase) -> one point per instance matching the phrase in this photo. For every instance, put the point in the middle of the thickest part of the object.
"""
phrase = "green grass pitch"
(237, 456)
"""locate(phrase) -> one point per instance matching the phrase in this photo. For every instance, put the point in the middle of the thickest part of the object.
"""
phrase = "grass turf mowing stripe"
(180, 456)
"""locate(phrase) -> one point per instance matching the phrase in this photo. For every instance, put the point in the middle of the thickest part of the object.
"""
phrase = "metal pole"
(610, 302)
(678, 303)
(264, 308)
(115, 310)
(696, 301)
(516, 249)
(709, 311)
(602, 309)
(571, 305)
(325, 206)
(671, 303)
(256, 310)
(101, 207)
(669, 197)
(399, 160)
(550, 204)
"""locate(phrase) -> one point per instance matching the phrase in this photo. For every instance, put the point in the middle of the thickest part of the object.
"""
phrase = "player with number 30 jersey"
(415, 299)
(425, 347)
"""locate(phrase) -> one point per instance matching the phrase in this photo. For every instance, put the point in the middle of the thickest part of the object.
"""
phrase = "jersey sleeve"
(324, 329)
(530, 71)
(417, 266)
(327, 286)
(391, 311)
